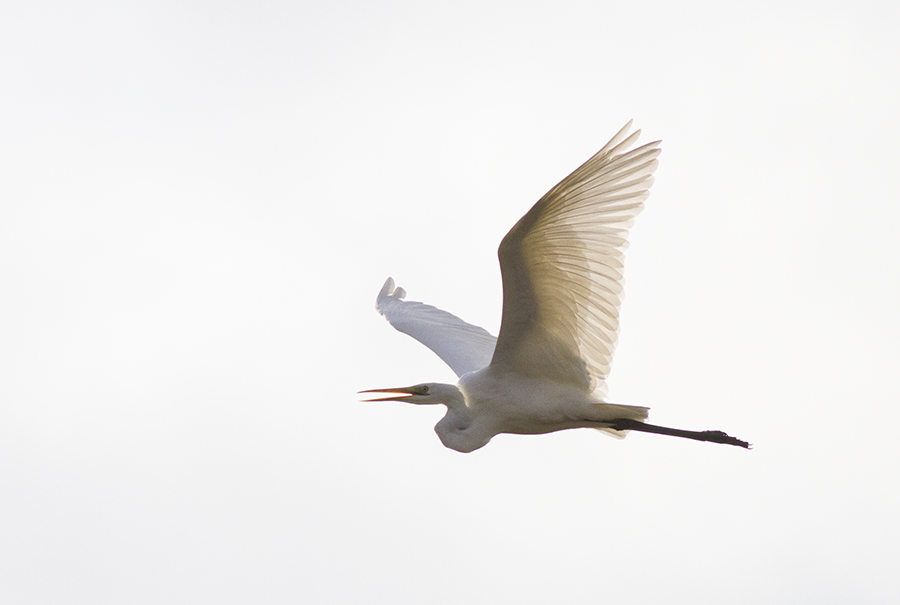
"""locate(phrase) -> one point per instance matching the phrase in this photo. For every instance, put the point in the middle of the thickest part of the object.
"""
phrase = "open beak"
(401, 394)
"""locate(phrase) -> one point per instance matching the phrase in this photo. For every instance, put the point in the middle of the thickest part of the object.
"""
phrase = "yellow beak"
(402, 393)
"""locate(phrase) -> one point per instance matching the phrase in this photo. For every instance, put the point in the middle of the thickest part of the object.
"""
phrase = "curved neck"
(453, 398)
(459, 429)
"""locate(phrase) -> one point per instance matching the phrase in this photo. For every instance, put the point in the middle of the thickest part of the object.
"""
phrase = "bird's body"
(562, 283)
(486, 403)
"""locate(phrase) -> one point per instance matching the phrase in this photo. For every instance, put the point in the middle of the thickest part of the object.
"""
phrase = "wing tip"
(388, 292)
(386, 289)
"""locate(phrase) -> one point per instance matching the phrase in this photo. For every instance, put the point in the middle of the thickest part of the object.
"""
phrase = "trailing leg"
(626, 424)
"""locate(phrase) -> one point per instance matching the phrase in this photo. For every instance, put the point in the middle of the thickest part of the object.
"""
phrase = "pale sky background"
(200, 200)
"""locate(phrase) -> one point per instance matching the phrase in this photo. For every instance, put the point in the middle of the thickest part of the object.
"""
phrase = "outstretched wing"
(462, 346)
(562, 268)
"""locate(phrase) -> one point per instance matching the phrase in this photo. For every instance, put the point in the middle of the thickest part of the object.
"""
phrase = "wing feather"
(562, 267)
(462, 346)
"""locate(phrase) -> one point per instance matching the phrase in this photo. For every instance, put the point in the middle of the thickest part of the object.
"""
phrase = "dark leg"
(625, 424)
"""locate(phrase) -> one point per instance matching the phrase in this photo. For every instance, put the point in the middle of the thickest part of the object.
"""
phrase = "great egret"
(562, 287)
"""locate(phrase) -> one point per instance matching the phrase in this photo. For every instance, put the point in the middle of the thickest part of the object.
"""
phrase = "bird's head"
(454, 427)
(422, 394)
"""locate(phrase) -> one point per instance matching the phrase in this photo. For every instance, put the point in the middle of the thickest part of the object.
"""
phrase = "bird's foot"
(723, 437)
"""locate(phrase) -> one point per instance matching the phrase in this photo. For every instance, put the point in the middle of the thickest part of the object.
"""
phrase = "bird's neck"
(459, 415)
(454, 399)
(460, 429)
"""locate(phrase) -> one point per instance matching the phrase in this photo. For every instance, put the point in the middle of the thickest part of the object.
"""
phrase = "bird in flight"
(561, 266)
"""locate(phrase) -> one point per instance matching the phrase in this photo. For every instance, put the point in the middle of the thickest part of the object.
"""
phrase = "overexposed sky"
(200, 201)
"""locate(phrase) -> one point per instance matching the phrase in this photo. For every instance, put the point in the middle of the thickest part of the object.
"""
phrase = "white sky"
(200, 201)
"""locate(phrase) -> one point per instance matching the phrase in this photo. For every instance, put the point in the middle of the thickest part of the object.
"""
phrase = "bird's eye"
(424, 390)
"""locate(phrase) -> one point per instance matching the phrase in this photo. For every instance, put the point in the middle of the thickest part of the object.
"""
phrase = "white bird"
(562, 288)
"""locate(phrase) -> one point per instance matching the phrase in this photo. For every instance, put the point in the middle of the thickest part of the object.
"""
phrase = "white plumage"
(562, 267)
(462, 346)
